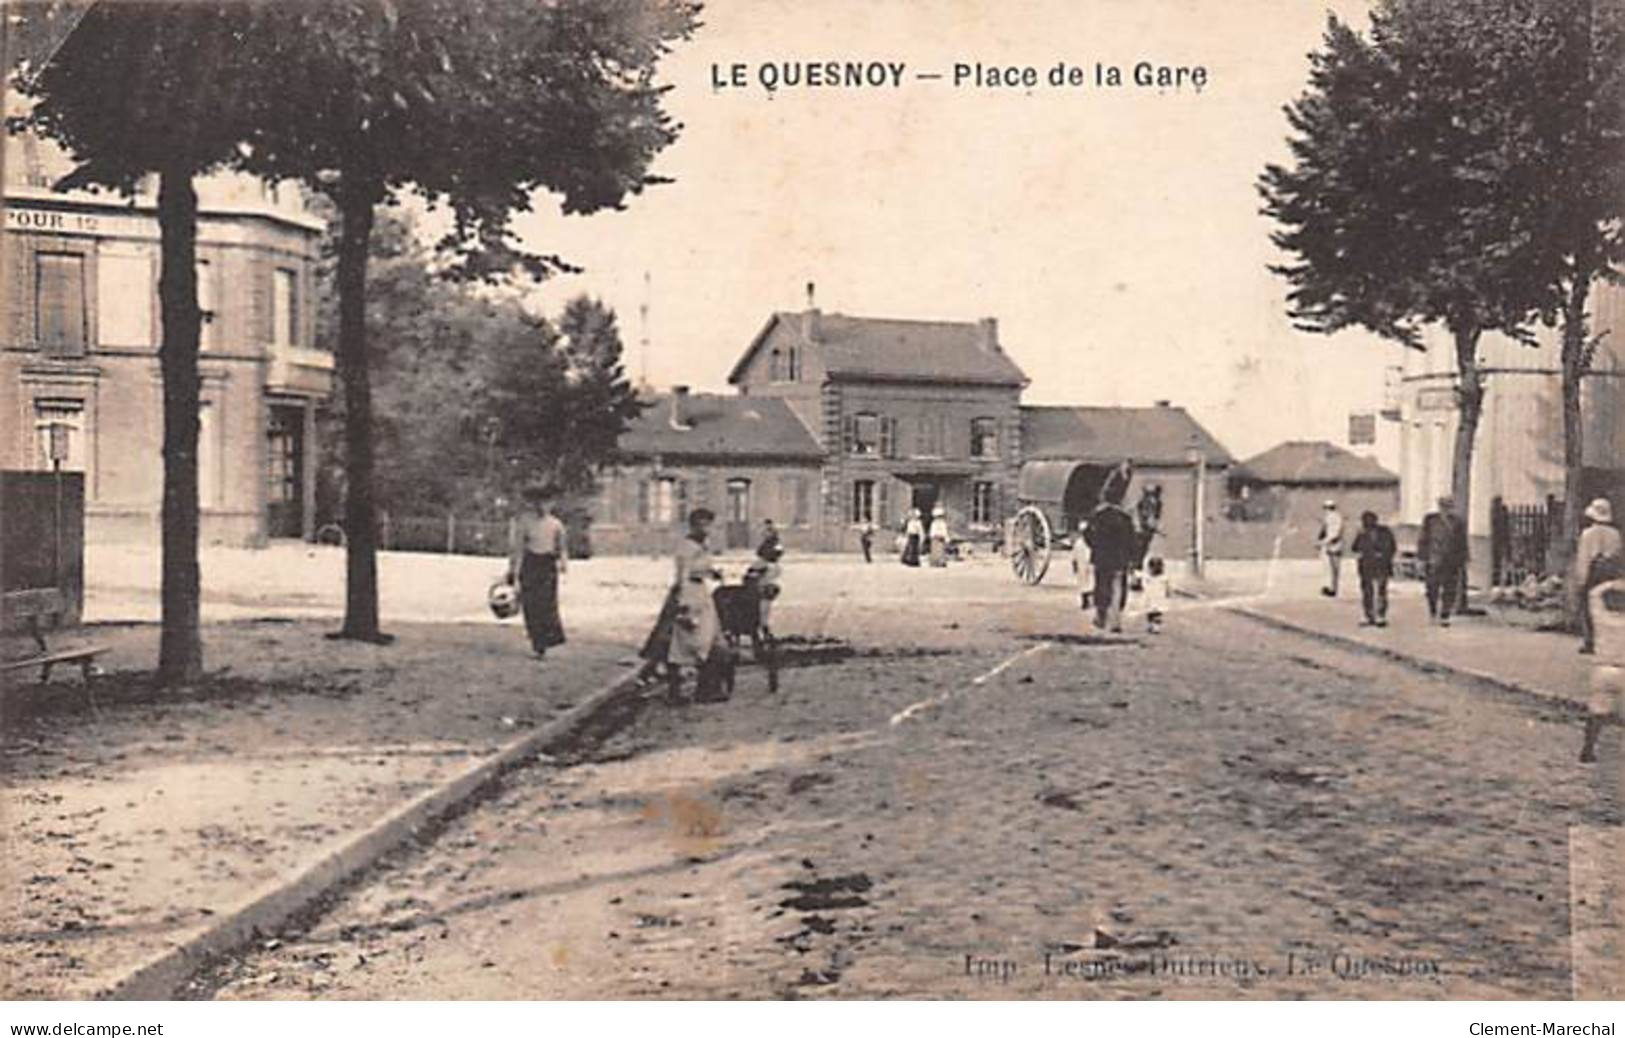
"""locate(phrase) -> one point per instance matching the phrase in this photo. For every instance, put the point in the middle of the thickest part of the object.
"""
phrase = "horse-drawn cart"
(1054, 496)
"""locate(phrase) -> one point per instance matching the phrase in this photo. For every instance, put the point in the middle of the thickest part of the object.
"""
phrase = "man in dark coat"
(1113, 551)
(1374, 550)
(1443, 552)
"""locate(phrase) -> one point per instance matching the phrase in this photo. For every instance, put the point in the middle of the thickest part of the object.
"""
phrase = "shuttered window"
(60, 324)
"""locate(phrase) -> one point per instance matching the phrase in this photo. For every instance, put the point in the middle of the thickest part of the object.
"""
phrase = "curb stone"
(1420, 663)
(162, 974)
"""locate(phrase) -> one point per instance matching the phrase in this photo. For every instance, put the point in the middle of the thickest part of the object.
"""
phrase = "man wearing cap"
(1443, 551)
(1597, 558)
(1330, 542)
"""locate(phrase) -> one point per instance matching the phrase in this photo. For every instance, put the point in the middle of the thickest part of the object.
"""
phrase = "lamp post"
(56, 448)
(1198, 462)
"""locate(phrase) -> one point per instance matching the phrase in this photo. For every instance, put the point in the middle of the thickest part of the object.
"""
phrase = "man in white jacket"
(1330, 543)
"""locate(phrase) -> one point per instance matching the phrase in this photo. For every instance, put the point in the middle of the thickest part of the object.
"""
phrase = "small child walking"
(1607, 602)
(1083, 568)
(1156, 593)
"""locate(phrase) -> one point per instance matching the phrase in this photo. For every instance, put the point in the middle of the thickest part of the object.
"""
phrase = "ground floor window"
(662, 500)
(983, 503)
(863, 501)
(208, 457)
(285, 470)
(793, 500)
(665, 500)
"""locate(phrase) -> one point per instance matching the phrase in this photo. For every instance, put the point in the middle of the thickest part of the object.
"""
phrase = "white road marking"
(942, 697)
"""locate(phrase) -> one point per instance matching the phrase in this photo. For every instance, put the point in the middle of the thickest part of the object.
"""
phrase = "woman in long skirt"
(688, 629)
(914, 532)
(538, 559)
(939, 537)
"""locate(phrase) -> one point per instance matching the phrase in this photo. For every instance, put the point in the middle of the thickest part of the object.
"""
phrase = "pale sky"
(1114, 232)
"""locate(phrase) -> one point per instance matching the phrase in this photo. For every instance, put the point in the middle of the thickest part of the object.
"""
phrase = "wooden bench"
(30, 608)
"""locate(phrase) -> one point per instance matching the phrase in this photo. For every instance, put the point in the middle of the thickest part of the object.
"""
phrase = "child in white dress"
(1083, 569)
(1156, 593)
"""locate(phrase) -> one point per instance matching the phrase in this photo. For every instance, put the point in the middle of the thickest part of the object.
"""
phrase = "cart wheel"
(1030, 544)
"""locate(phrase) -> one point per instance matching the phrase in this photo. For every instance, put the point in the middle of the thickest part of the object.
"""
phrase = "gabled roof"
(1315, 462)
(720, 426)
(893, 350)
(1161, 435)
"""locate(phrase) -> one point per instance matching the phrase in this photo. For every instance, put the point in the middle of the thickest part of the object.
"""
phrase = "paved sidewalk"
(140, 819)
(1491, 648)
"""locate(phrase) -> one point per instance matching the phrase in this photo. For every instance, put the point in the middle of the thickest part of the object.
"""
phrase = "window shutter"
(682, 500)
(643, 501)
(882, 501)
(60, 303)
(850, 427)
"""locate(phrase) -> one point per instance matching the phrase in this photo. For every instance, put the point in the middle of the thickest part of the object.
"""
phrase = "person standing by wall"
(1597, 558)
(1443, 551)
(866, 539)
(537, 560)
(1330, 542)
(1374, 550)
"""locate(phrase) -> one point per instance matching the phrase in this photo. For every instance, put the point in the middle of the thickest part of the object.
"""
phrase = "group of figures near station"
(1597, 576)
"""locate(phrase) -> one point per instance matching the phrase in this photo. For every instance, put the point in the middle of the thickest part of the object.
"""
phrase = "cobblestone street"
(951, 800)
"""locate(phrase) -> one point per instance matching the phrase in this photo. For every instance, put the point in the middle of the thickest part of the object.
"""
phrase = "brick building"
(907, 413)
(79, 349)
(745, 459)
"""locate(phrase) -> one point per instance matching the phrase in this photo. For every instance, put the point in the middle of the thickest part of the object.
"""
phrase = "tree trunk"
(360, 515)
(1575, 362)
(180, 645)
(1470, 406)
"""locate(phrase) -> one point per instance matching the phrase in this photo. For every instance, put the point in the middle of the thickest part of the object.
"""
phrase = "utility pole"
(1198, 461)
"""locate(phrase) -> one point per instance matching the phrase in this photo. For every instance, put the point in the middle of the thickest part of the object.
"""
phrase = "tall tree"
(136, 89)
(1571, 57)
(1403, 206)
(479, 104)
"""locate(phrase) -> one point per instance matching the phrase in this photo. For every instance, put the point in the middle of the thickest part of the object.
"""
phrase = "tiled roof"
(1314, 461)
(728, 426)
(894, 350)
(1103, 435)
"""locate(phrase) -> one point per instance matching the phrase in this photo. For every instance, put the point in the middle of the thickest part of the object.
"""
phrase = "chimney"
(1164, 403)
(679, 406)
(990, 334)
(809, 317)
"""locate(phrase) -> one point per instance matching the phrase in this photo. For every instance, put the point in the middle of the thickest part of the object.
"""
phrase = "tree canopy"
(476, 395)
(1407, 203)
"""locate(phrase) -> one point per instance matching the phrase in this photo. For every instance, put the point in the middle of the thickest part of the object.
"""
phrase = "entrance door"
(925, 498)
(736, 533)
(285, 472)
